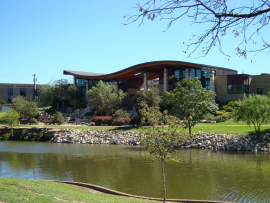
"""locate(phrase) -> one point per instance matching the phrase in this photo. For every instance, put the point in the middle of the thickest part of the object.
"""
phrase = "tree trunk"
(11, 130)
(189, 128)
(163, 174)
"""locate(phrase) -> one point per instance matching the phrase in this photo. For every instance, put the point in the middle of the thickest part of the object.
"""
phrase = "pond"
(202, 174)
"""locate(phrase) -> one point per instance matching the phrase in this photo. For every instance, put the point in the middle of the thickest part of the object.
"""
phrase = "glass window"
(180, 74)
(198, 74)
(207, 85)
(192, 73)
(80, 82)
(92, 83)
(23, 92)
(238, 84)
(259, 90)
(207, 75)
(10, 94)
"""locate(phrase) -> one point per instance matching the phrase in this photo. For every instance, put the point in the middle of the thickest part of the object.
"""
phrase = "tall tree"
(60, 91)
(104, 98)
(162, 136)
(189, 100)
(255, 109)
(244, 19)
(151, 97)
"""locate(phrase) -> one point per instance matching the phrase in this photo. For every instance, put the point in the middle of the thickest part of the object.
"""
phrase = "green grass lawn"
(2, 114)
(230, 127)
(23, 190)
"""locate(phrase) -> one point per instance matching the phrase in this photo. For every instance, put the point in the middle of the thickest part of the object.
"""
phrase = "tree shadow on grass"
(130, 128)
(262, 132)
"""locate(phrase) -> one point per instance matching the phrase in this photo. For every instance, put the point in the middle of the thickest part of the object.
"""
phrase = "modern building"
(9, 90)
(227, 83)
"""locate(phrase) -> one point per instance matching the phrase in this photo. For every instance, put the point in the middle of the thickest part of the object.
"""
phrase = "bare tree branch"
(218, 16)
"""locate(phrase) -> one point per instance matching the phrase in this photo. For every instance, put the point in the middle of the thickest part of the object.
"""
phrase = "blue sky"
(45, 37)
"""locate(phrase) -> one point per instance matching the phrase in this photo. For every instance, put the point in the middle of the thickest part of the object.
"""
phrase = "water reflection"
(202, 174)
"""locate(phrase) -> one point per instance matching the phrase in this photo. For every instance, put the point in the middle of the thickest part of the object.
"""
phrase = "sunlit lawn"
(2, 114)
(229, 127)
(22, 190)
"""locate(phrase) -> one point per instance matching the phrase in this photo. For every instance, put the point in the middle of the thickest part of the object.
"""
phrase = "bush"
(120, 114)
(121, 121)
(79, 105)
(33, 121)
(90, 114)
(5, 136)
(227, 108)
(102, 120)
(34, 136)
(58, 118)
(135, 121)
(221, 112)
(47, 121)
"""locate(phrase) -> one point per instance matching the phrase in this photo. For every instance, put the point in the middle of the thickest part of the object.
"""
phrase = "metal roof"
(153, 69)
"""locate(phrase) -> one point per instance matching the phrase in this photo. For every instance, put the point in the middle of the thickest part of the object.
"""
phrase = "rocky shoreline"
(199, 140)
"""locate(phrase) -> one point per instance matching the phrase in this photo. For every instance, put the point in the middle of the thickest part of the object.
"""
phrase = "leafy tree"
(162, 136)
(59, 92)
(25, 107)
(189, 100)
(244, 19)
(11, 118)
(151, 97)
(255, 109)
(104, 98)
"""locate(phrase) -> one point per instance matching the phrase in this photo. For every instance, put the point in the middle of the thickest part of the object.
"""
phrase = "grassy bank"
(230, 127)
(22, 190)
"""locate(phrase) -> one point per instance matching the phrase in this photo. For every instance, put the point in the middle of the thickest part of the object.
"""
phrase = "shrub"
(5, 136)
(227, 108)
(79, 105)
(90, 114)
(47, 121)
(33, 121)
(121, 121)
(135, 121)
(120, 114)
(221, 112)
(34, 136)
(102, 120)
(58, 118)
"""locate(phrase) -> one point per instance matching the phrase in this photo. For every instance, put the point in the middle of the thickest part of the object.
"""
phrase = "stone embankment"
(198, 141)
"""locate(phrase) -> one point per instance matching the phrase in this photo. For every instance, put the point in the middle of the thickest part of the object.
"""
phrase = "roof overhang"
(136, 72)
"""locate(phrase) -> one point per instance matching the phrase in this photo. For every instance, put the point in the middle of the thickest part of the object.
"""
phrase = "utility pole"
(35, 88)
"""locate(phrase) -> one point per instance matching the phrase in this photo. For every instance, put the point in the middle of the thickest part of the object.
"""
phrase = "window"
(207, 85)
(92, 83)
(80, 82)
(238, 84)
(23, 92)
(180, 74)
(10, 94)
(192, 73)
(259, 90)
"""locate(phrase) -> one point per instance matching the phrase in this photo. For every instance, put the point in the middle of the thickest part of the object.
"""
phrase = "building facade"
(9, 90)
(227, 83)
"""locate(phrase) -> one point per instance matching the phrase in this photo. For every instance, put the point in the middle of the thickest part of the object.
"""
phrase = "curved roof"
(136, 71)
